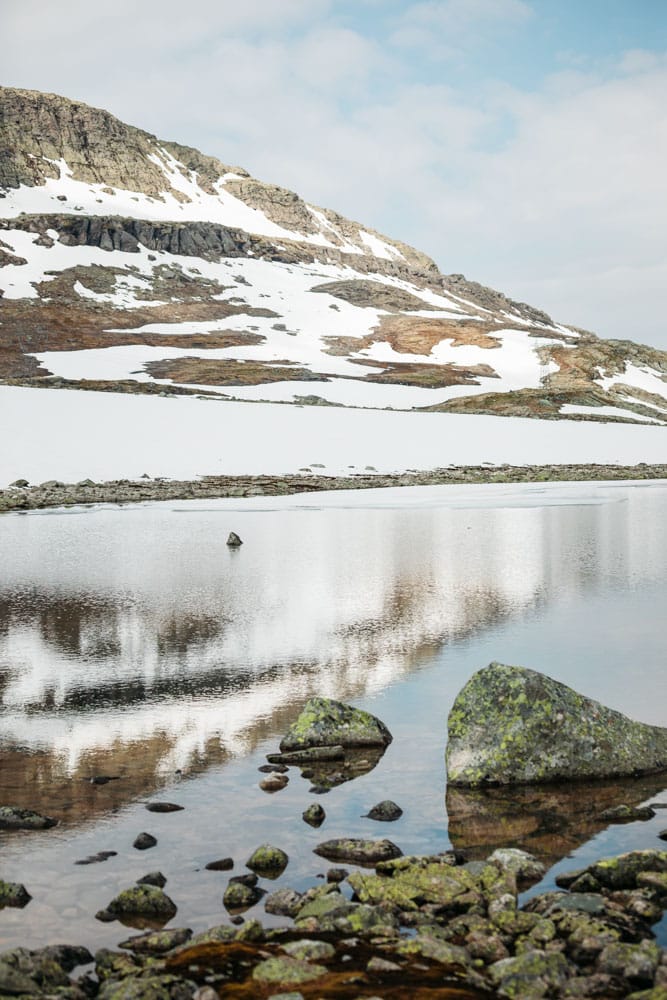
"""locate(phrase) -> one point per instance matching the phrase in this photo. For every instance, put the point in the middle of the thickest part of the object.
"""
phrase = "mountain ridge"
(129, 260)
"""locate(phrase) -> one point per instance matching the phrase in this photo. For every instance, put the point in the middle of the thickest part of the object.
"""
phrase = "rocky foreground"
(422, 927)
(22, 495)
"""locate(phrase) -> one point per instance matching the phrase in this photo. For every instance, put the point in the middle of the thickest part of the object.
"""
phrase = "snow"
(607, 411)
(638, 378)
(72, 435)
(379, 248)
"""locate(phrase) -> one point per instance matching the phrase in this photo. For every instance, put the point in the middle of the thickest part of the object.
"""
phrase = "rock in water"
(511, 725)
(328, 723)
(234, 541)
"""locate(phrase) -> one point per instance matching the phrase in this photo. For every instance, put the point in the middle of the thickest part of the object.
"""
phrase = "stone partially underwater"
(510, 725)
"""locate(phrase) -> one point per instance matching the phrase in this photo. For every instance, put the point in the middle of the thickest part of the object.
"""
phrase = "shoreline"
(22, 496)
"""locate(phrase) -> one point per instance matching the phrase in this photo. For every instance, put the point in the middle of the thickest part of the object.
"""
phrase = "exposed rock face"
(510, 725)
(325, 722)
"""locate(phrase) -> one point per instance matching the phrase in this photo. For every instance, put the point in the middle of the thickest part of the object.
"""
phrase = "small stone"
(248, 878)
(284, 902)
(358, 851)
(627, 814)
(273, 768)
(13, 894)
(21, 483)
(274, 782)
(144, 841)
(221, 865)
(93, 859)
(14, 818)
(104, 779)
(157, 942)
(163, 807)
(314, 815)
(325, 722)
(234, 541)
(336, 875)
(385, 811)
(238, 896)
(310, 951)
(153, 878)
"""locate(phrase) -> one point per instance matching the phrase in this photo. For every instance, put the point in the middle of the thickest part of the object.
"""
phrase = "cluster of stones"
(435, 919)
(22, 495)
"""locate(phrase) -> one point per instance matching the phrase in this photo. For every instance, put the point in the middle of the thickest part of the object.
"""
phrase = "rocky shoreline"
(21, 495)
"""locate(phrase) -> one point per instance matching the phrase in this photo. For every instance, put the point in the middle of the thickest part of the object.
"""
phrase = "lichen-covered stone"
(622, 871)
(624, 813)
(310, 951)
(285, 902)
(157, 942)
(165, 987)
(636, 963)
(361, 852)
(143, 901)
(524, 866)
(288, 971)
(13, 894)
(13, 818)
(238, 896)
(385, 811)
(314, 815)
(268, 861)
(452, 888)
(511, 725)
(531, 976)
(324, 722)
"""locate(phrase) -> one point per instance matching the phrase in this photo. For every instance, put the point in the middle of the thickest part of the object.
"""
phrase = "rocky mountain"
(140, 265)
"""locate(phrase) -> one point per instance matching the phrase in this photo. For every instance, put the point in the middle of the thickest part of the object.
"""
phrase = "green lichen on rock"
(164, 987)
(286, 970)
(143, 901)
(324, 722)
(358, 851)
(13, 894)
(268, 861)
(511, 725)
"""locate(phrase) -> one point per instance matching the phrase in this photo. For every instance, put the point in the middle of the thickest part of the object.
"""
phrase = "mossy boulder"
(358, 851)
(328, 723)
(13, 818)
(142, 905)
(164, 987)
(13, 894)
(510, 725)
(288, 971)
(268, 861)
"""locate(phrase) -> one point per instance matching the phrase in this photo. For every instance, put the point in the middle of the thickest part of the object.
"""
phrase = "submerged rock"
(13, 818)
(385, 811)
(511, 725)
(157, 942)
(624, 813)
(268, 861)
(328, 723)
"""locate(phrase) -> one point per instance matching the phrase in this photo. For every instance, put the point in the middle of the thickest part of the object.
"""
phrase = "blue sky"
(521, 142)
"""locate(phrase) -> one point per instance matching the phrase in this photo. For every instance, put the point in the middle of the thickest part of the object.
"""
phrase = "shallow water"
(133, 642)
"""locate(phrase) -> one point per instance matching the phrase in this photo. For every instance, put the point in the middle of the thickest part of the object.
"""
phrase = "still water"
(134, 643)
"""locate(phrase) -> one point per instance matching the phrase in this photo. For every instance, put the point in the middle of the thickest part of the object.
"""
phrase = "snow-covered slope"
(132, 263)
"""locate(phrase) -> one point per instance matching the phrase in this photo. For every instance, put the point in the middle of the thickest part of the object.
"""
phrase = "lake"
(135, 644)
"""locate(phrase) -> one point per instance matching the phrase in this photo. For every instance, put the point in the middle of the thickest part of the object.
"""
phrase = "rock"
(636, 963)
(324, 722)
(153, 878)
(274, 782)
(157, 942)
(335, 875)
(143, 902)
(287, 971)
(453, 889)
(161, 987)
(385, 811)
(314, 815)
(93, 859)
(144, 841)
(310, 951)
(268, 861)
(273, 768)
(238, 896)
(622, 871)
(524, 866)
(163, 807)
(530, 976)
(13, 894)
(14, 983)
(248, 878)
(284, 902)
(510, 725)
(234, 541)
(21, 483)
(104, 779)
(627, 814)
(221, 865)
(362, 852)
(307, 756)
(14, 818)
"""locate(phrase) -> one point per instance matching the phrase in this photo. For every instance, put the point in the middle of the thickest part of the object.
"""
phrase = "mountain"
(136, 264)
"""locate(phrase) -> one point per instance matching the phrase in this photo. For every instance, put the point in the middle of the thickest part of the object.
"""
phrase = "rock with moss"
(142, 903)
(358, 851)
(239, 896)
(453, 889)
(288, 971)
(13, 894)
(324, 722)
(162, 987)
(510, 725)
(157, 942)
(268, 861)
(532, 975)
(14, 818)
(314, 815)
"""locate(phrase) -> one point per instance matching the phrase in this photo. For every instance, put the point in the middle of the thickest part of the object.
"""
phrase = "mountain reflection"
(132, 641)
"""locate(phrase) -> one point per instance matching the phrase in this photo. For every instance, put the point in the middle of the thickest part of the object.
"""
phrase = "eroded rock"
(324, 722)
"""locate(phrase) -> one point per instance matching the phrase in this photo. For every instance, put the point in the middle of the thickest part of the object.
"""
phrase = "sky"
(520, 142)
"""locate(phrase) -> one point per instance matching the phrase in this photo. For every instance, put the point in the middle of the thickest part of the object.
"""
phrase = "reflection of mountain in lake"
(139, 629)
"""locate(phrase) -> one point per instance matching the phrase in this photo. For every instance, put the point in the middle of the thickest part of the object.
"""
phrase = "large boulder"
(510, 725)
(328, 723)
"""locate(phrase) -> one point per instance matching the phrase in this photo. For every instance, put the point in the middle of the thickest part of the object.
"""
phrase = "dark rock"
(104, 779)
(20, 483)
(268, 861)
(144, 841)
(362, 852)
(234, 541)
(324, 722)
(336, 875)
(13, 894)
(93, 859)
(153, 878)
(511, 725)
(284, 902)
(385, 811)
(274, 782)
(163, 807)
(273, 768)
(14, 818)
(221, 865)
(314, 815)
(248, 878)
(636, 963)
(627, 814)
(307, 755)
